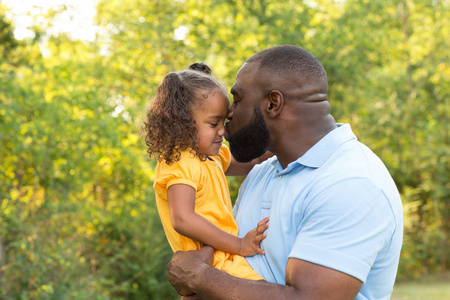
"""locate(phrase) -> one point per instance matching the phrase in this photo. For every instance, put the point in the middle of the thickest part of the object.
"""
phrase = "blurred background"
(77, 213)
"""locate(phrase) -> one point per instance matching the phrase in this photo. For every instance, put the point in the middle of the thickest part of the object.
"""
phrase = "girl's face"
(210, 122)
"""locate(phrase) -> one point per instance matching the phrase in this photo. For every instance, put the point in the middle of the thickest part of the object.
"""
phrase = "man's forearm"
(191, 272)
(217, 285)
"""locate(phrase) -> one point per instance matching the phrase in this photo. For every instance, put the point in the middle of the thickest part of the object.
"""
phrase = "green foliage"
(427, 287)
(77, 212)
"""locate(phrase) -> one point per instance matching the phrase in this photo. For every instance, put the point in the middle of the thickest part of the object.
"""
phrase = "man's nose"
(230, 113)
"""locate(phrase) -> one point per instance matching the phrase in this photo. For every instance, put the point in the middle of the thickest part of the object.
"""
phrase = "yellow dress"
(212, 201)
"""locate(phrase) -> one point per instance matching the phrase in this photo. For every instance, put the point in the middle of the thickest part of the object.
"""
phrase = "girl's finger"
(260, 237)
(263, 221)
(262, 228)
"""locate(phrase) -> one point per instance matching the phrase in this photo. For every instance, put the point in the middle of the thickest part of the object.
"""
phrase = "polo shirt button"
(279, 176)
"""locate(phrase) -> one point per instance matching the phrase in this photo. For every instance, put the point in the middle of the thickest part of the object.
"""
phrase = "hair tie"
(200, 67)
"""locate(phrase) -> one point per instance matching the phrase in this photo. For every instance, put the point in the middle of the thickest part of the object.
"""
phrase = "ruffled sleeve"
(185, 171)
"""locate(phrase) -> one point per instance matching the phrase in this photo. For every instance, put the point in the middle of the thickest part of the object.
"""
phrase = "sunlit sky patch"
(76, 21)
(181, 33)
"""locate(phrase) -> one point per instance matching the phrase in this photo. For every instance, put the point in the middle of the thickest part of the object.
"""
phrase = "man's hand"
(184, 266)
(250, 243)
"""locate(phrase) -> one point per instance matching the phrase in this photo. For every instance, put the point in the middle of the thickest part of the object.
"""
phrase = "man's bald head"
(291, 67)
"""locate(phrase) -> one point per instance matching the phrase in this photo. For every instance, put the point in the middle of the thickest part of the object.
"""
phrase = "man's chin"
(244, 155)
(249, 142)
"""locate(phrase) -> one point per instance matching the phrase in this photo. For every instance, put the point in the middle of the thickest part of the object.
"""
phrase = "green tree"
(77, 212)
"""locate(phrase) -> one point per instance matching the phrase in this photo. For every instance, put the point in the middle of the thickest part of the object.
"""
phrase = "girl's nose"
(221, 131)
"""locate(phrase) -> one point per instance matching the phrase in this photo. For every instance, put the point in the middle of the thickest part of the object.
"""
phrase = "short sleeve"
(345, 227)
(185, 171)
(224, 157)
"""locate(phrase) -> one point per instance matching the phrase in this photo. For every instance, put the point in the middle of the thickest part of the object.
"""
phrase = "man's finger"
(206, 254)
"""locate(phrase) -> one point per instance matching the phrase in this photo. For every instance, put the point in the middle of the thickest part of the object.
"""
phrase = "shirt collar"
(318, 154)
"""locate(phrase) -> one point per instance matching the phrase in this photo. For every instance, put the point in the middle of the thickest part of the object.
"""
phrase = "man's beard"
(251, 141)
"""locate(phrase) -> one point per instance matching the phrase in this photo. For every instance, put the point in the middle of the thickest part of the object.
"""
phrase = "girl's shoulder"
(224, 157)
(184, 157)
(187, 170)
(188, 167)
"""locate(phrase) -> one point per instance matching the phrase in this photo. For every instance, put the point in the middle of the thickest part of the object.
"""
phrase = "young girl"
(185, 128)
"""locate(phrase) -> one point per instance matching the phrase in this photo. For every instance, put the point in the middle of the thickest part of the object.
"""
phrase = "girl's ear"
(275, 104)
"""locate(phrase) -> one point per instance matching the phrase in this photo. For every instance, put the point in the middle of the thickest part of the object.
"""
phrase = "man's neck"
(294, 142)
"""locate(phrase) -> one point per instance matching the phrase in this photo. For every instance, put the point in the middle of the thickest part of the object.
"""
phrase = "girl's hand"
(250, 243)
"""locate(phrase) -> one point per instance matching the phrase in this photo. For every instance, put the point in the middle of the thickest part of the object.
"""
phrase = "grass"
(428, 288)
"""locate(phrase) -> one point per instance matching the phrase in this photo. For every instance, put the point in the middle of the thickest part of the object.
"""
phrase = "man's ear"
(275, 104)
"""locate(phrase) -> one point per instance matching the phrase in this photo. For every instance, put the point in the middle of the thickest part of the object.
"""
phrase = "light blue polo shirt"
(336, 206)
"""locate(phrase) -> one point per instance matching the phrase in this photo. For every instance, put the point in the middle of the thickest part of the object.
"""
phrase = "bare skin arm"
(185, 221)
(241, 169)
(190, 272)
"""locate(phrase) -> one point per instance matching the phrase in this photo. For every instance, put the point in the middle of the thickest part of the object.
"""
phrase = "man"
(335, 214)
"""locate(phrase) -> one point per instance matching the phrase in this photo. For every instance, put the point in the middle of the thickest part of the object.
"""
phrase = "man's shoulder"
(352, 159)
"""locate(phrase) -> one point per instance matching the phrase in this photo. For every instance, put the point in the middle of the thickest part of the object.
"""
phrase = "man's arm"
(242, 169)
(189, 272)
(312, 281)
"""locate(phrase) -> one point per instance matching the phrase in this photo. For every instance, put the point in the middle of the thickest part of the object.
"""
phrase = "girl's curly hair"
(169, 127)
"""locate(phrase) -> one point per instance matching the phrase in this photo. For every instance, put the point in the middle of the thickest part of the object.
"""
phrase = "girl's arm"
(185, 221)
(241, 169)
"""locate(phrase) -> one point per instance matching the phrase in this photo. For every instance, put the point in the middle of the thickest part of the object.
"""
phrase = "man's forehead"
(248, 69)
(244, 76)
